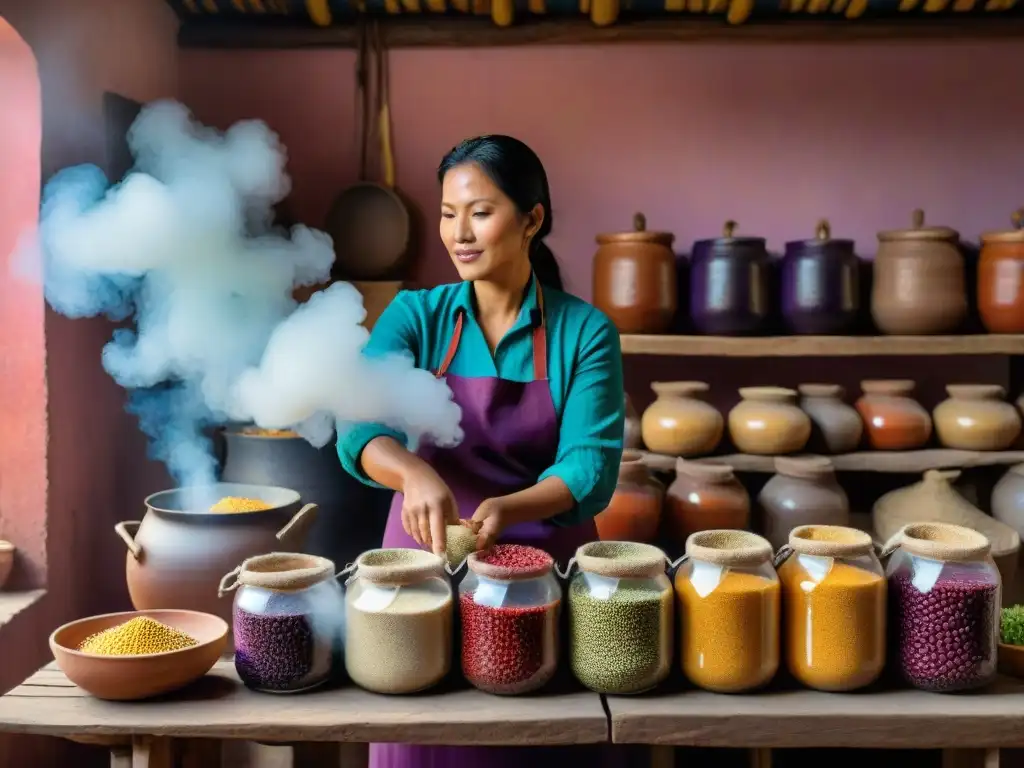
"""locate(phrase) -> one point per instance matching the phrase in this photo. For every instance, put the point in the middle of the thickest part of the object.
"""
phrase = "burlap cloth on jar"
(944, 542)
(397, 567)
(826, 541)
(730, 548)
(620, 559)
(280, 571)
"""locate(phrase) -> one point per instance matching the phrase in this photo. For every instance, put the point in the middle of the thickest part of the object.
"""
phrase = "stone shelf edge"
(821, 346)
(898, 462)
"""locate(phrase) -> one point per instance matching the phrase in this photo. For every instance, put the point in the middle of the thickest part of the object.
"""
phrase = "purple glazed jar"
(729, 285)
(820, 285)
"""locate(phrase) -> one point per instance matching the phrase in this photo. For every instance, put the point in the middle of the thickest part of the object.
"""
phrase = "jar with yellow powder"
(729, 598)
(834, 607)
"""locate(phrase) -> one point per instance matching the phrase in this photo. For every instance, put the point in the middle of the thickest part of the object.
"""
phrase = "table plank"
(800, 718)
(219, 706)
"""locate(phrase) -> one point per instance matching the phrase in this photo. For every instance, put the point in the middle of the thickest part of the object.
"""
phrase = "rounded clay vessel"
(836, 425)
(768, 422)
(893, 420)
(679, 422)
(975, 417)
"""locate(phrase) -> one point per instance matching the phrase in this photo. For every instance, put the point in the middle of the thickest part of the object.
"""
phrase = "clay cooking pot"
(177, 555)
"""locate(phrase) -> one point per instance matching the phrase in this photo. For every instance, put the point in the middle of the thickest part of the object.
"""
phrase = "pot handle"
(121, 529)
(298, 526)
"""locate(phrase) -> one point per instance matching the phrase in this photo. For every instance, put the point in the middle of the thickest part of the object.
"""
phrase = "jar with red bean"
(945, 595)
(509, 604)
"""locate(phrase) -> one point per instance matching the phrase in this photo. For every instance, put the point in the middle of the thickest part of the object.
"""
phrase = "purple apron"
(511, 436)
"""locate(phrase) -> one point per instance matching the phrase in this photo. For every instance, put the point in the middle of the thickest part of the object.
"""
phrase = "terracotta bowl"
(128, 678)
(6, 561)
(1011, 660)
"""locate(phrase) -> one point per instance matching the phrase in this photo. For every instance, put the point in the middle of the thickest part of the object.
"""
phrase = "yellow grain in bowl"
(260, 432)
(135, 637)
(230, 504)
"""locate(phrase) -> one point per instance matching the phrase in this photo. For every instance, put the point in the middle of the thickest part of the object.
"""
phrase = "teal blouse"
(584, 372)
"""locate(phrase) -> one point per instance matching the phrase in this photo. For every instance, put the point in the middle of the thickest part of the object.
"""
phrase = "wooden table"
(219, 707)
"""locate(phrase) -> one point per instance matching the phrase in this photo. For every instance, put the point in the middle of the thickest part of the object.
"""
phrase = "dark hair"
(519, 173)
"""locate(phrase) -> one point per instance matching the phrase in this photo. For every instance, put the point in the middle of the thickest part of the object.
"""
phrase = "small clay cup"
(130, 678)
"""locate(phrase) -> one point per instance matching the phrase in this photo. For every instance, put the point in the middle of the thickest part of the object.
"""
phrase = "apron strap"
(540, 342)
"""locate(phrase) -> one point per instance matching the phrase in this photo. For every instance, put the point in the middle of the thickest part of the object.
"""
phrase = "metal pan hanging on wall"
(370, 222)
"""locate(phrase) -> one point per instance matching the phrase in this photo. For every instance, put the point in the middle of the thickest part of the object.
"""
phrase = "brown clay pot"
(679, 422)
(804, 491)
(976, 418)
(836, 425)
(635, 279)
(919, 286)
(768, 422)
(1001, 279)
(631, 439)
(893, 420)
(176, 556)
(703, 497)
(634, 513)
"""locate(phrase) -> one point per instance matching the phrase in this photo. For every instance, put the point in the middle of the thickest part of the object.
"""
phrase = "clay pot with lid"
(705, 496)
(729, 284)
(679, 422)
(804, 491)
(635, 279)
(919, 284)
(976, 417)
(893, 420)
(634, 513)
(1001, 278)
(836, 427)
(820, 284)
(767, 421)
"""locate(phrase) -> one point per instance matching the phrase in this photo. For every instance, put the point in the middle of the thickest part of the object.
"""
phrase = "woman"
(537, 373)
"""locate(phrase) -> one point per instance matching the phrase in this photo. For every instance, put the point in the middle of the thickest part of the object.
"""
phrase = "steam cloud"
(186, 245)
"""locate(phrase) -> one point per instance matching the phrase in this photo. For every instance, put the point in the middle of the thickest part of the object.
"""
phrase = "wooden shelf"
(908, 719)
(821, 346)
(433, 32)
(905, 462)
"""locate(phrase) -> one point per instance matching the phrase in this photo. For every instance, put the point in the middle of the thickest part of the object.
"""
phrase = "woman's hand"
(489, 521)
(428, 506)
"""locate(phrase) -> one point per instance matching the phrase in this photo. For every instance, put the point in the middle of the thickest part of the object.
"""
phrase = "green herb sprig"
(1012, 629)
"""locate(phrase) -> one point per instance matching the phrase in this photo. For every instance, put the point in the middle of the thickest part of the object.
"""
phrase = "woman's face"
(484, 233)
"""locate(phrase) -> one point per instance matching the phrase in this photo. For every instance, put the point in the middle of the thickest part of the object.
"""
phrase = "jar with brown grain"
(836, 427)
(803, 491)
(730, 280)
(1001, 278)
(634, 513)
(893, 420)
(768, 422)
(944, 592)
(919, 286)
(635, 279)
(728, 599)
(705, 496)
(679, 422)
(975, 417)
(834, 607)
(399, 621)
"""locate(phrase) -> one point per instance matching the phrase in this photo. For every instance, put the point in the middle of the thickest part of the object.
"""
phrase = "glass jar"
(729, 606)
(620, 617)
(893, 420)
(834, 607)
(398, 621)
(945, 593)
(634, 512)
(509, 603)
(287, 621)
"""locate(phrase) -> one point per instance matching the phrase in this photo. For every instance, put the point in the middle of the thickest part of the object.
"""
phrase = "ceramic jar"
(179, 552)
(1008, 498)
(634, 513)
(919, 286)
(679, 422)
(704, 497)
(893, 420)
(1001, 279)
(836, 425)
(767, 421)
(803, 491)
(635, 280)
(820, 284)
(976, 418)
(631, 439)
(729, 284)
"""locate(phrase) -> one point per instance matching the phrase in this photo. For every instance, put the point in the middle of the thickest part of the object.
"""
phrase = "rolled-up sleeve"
(593, 419)
(396, 330)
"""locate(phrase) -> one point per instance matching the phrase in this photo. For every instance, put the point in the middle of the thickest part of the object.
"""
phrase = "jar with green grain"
(620, 606)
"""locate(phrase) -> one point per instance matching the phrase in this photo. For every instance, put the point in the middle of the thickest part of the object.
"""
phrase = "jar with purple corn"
(288, 621)
(944, 592)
